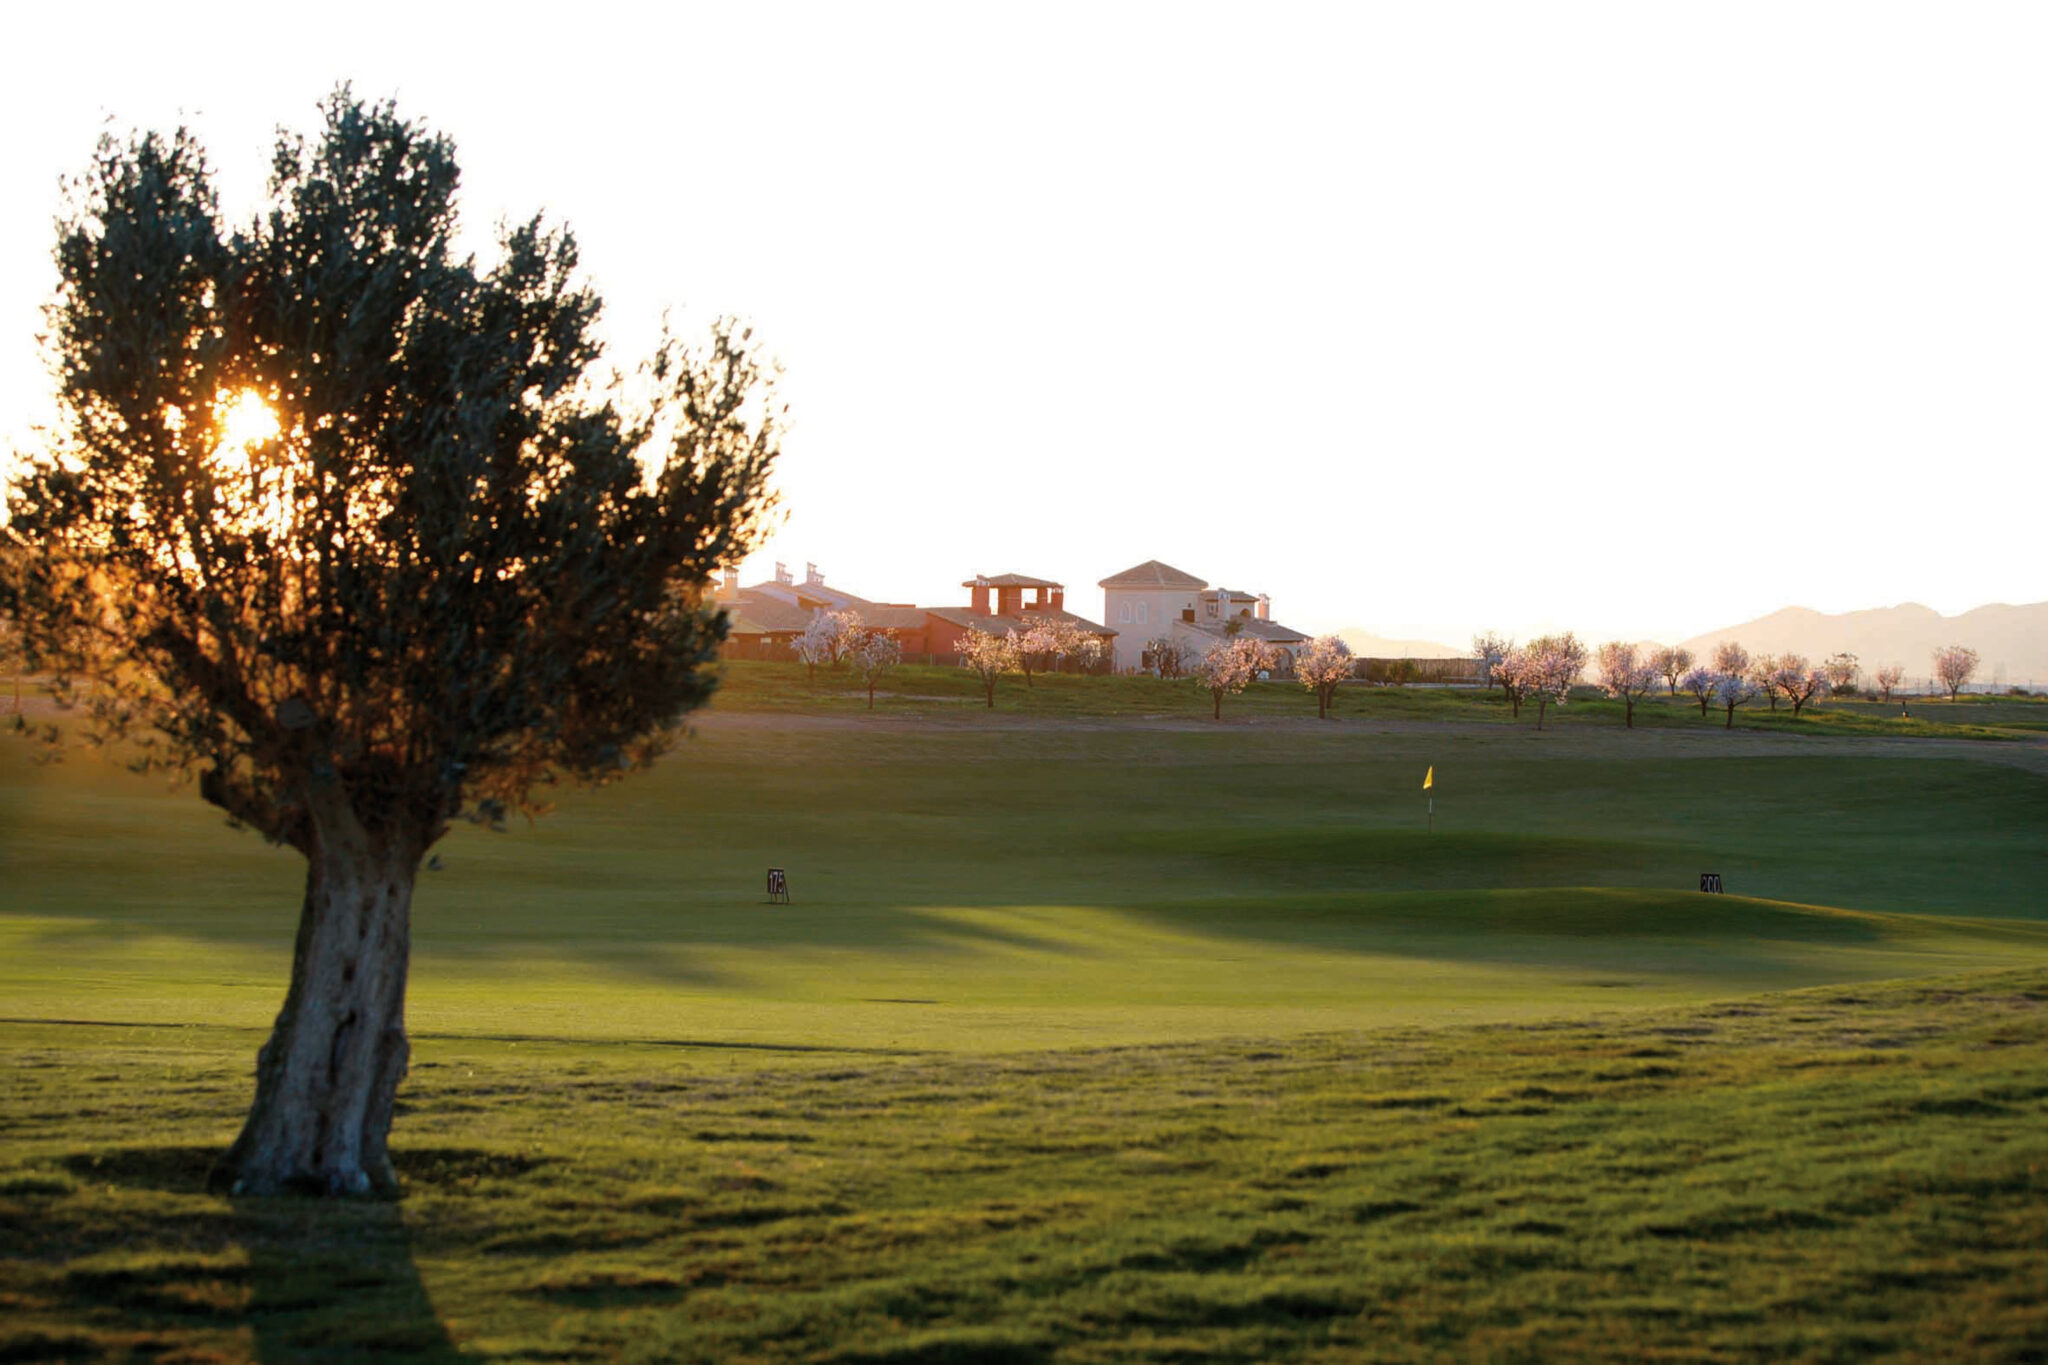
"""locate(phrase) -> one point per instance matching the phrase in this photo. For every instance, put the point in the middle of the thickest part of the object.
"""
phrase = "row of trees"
(835, 638)
(1224, 669)
(1546, 669)
(1043, 646)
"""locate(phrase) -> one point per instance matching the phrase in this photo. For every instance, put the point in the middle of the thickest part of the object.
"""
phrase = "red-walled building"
(768, 617)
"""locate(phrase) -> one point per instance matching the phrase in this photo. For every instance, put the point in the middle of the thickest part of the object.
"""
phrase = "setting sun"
(247, 421)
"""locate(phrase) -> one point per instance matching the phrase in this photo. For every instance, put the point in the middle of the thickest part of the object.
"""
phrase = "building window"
(1141, 613)
(1212, 612)
(1123, 612)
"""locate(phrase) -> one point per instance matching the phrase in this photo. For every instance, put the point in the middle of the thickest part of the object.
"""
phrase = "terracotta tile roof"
(1272, 632)
(1152, 574)
(894, 618)
(968, 619)
(1010, 580)
(759, 614)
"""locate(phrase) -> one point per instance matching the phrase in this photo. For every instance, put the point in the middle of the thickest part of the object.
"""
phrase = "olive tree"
(451, 561)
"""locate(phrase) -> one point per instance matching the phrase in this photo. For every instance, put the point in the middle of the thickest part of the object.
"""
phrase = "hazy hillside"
(2012, 641)
(1367, 645)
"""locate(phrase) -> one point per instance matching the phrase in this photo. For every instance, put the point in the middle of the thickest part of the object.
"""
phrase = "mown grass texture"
(1822, 1175)
(1091, 1036)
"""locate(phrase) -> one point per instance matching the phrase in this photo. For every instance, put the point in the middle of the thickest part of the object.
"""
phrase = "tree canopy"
(356, 530)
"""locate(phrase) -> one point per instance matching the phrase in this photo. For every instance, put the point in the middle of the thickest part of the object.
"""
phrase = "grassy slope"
(1823, 1175)
(1075, 881)
(653, 1118)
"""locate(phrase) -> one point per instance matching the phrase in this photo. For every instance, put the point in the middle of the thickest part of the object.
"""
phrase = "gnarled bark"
(327, 1079)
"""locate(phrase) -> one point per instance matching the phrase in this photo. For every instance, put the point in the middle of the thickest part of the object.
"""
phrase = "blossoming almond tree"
(1730, 657)
(1890, 676)
(1625, 677)
(1763, 676)
(1491, 649)
(1546, 668)
(1671, 665)
(828, 638)
(1226, 669)
(873, 655)
(1953, 667)
(988, 657)
(1732, 690)
(1321, 666)
(1841, 670)
(1512, 673)
(1051, 640)
(1704, 684)
(1797, 682)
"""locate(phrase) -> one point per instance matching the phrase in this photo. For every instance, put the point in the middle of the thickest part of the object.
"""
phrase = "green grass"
(1822, 1175)
(1096, 1032)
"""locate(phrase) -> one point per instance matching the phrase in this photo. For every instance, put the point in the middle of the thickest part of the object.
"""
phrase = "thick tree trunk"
(328, 1077)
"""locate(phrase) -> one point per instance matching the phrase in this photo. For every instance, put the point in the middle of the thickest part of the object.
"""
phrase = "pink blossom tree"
(1226, 669)
(1491, 649)
(1545, 669)
(874, 655)
(1798, 683)
(1671, 665)
(1052, 641)
(988, 657)
(1512, 673)
(1323, 664)
(1841, 670)
(828, 638)
(1035, 643)
(1625, 677)
(1890, 676)
(1763, 676)
(1730, 657)
(1953, 667)
(1703, 683)
(1732, 690)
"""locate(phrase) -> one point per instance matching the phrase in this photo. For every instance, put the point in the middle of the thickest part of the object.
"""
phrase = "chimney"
(812, 578)
(1009, 601)
(980, 604)
(782, 572)
(1265, 607)
(1059, 599)
(732, 579)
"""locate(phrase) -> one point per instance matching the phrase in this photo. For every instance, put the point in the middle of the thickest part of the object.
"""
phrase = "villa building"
(1151, 600)
(767, 617)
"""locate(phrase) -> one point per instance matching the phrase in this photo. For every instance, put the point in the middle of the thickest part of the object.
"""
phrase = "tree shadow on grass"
(322, 1279)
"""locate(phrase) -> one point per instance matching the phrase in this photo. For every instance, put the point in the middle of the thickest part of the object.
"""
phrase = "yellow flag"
(1429, 778)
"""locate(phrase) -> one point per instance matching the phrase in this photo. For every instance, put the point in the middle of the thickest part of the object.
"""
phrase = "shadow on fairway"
(322, 1280)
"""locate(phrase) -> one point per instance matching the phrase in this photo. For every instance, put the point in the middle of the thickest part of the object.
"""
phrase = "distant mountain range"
(1367, 645)
(2011, 642)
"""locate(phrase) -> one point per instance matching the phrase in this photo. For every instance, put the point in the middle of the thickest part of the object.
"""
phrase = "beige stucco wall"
(1120, 611)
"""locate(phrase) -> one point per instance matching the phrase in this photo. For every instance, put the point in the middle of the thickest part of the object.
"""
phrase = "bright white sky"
(1635, 319)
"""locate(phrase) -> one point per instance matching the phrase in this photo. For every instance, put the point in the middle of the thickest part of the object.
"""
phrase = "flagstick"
(1432, 815)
